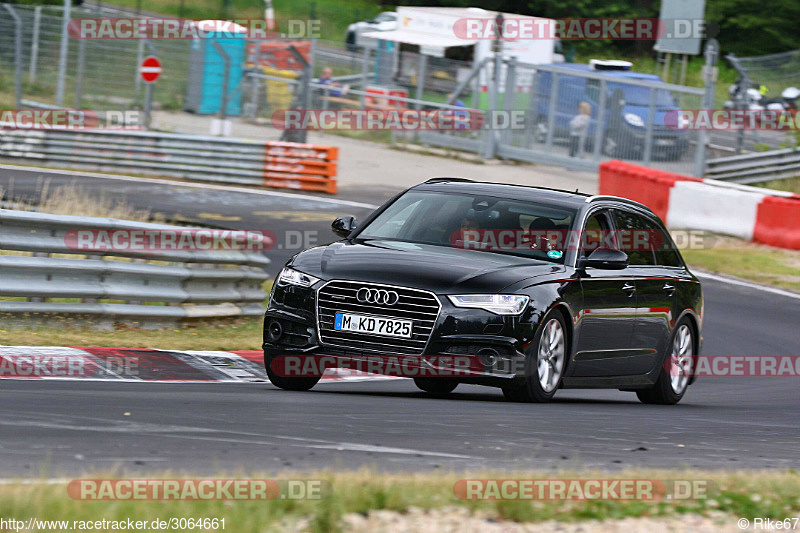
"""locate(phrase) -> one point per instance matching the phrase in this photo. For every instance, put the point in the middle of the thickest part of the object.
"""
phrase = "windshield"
(480, 223)
(640, 96)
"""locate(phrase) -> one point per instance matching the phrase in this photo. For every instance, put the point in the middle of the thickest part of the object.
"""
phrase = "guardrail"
(270, 164)
(144, 287)
(757, 167)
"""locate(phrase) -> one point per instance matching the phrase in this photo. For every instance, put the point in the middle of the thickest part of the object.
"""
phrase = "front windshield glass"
(471, 222)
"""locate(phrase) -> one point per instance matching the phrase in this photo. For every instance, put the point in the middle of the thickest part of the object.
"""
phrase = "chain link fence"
(563, 114)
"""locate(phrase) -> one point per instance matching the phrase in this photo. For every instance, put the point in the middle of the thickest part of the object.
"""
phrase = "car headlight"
(634, 120)
(501, 304)
(290, 276)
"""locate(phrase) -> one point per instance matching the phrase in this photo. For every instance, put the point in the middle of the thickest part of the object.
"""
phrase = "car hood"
(440, 269)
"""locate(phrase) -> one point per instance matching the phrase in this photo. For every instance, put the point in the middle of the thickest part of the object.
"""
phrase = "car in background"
(626, 112)
(386, 21)
(533, 317)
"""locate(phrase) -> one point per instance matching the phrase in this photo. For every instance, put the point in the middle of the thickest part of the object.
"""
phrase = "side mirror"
(344, 226)
(605, 259)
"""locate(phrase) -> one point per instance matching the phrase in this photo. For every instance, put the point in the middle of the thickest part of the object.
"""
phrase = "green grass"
(238, 334)
(744, 494)
(789, 184)
(749, 261)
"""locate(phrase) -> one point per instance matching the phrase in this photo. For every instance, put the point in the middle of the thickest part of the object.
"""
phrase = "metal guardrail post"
(17, 55)
(37, 22)
(63, 54)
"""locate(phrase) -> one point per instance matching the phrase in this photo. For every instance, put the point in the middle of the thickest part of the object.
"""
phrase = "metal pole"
(148, 104)
(684, 68)
(601, 118)
(494, 96)
(667, 64)
(364, 68)
(79, 74)
(307, 81)
(63, 54)
(709, 75)
(37, 20)
(551, 113)
(531, 118)
(17, 55)
(139, 58)
(508, 99)
(651, 117)
(423, 66)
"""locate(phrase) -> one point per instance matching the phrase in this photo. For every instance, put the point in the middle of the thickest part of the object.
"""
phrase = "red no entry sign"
(150, 69)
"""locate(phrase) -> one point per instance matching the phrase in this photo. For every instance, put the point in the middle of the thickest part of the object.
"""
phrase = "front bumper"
(490, 347)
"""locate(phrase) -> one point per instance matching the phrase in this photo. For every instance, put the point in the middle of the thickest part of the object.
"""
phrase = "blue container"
(207, 74)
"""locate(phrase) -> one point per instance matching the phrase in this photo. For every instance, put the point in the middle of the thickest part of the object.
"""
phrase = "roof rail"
(443, 180)
(597, 197)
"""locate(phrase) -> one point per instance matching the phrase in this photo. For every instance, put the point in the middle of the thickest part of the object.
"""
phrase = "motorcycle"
(754, 99)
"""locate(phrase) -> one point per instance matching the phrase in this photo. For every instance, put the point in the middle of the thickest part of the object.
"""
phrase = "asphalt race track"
(60, 428)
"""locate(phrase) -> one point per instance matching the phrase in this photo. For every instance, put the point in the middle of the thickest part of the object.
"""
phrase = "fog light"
(274, 331)
(488, 356)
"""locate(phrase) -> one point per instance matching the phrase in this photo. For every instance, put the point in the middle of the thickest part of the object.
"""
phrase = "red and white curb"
(146, 365)
(750, 213)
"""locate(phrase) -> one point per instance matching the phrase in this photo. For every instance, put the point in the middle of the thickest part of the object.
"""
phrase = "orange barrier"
(648, 186)
(754, 214)
(778, 222)
(308, 167)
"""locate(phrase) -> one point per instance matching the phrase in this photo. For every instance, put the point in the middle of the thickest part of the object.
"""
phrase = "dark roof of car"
(573, 199)
(517, 192)
(616, 73)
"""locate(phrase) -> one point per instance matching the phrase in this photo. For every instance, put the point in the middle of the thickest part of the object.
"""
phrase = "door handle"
(630, 289)
(670, 289)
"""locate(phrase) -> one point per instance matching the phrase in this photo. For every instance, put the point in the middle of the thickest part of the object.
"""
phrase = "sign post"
(149, 70)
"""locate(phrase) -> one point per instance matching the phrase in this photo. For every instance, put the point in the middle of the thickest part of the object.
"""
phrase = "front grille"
(414, 304)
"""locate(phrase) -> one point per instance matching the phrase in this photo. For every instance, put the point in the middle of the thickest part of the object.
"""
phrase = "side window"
(596, 233)
(667, 254)
(637, 237)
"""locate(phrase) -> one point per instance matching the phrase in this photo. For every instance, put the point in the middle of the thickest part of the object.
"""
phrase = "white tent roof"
(420, 38)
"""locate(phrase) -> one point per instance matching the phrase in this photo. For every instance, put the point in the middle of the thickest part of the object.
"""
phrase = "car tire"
(669, 387)
(286, 383)
(545, 367)
(436, 386)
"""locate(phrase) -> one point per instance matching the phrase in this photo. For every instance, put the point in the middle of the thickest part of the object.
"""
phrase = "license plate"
(373, 325)
(665, 142)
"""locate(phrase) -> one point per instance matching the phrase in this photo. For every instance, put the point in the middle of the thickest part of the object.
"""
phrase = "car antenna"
(576, 189)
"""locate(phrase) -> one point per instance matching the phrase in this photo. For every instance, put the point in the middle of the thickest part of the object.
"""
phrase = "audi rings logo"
(377, 296)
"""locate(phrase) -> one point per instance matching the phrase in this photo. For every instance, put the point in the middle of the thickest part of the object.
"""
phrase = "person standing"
(579, 128)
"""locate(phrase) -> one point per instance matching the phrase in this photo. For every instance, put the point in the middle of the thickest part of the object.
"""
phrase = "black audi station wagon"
(543, 289)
